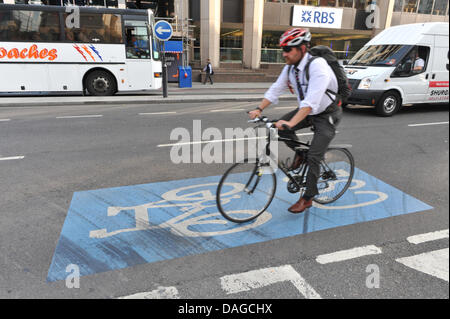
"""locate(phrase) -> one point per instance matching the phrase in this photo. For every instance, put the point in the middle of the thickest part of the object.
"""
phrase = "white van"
(405, 64)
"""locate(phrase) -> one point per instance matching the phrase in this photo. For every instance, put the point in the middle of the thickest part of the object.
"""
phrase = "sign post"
(163, 32)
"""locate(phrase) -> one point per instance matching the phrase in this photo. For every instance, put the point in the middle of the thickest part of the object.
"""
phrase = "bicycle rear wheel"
(254, 185)
(336, 174)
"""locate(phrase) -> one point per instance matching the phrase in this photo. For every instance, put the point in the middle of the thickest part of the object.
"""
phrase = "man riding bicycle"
(317, 108)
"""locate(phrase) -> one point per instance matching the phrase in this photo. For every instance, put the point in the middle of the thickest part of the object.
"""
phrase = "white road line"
(348, 254)
(78, 116)
(434, 263)
(227, 110)
(11, 158)
(263, 277)
(422, 238)
(160, 293)
(220, 141)
(424, 124)
(5, 120)
(158, 113)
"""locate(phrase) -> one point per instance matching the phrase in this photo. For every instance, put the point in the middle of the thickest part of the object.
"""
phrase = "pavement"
(219, 92)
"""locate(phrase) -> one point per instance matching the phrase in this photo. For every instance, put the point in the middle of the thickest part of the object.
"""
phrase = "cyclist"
(317, 108)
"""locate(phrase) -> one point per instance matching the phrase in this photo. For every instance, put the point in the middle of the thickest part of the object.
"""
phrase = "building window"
(284, 1)
(312, 3)
(398, 5)
(425, 6)
(270, 50)
(362, 4)
(233, 11)
(440, 7)
(410, 6)
(328, 3)
(231, 45)
(346, 3)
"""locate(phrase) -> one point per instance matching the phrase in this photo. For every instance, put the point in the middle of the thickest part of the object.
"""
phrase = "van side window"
(415, 62)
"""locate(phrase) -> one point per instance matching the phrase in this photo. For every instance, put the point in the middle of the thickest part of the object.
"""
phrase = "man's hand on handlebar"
(282, 125)
(254, 114)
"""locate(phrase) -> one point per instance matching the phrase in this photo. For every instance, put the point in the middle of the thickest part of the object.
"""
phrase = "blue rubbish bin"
(184, 77)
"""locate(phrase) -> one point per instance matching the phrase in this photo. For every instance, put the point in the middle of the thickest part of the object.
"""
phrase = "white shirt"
(321, 78)
(419, 63)
(208, 68)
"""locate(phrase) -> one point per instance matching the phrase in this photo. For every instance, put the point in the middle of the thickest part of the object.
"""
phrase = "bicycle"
(258, 181)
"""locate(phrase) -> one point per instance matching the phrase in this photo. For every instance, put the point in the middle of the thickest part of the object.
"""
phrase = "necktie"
(299, 87)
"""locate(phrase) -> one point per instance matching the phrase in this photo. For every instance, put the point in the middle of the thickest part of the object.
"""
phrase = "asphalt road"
(49, 153)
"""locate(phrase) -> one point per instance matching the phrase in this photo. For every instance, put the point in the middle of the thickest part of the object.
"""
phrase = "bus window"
(30, 26)
(137, 45)
(156, 49)
(95, 28)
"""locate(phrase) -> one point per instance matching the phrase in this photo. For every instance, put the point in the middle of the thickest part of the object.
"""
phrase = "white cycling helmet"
(294, 37)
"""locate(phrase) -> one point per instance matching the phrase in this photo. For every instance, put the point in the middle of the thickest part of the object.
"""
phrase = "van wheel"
(101, 83)
(390, 102)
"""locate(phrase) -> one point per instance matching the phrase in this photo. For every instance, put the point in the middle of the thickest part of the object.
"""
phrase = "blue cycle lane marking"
(115, 228)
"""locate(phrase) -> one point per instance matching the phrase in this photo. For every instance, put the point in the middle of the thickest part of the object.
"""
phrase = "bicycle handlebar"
(268, 123)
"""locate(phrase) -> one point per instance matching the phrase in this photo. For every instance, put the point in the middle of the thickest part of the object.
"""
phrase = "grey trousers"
(324, 132)
(208, 76)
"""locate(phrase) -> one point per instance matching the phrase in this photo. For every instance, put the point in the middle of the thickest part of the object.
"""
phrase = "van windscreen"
(380, 55)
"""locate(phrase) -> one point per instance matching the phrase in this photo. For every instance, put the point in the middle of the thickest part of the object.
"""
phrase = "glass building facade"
(434, 7)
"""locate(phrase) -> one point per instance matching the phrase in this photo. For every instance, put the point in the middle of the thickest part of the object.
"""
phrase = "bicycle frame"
(285, 171)
(270, 125)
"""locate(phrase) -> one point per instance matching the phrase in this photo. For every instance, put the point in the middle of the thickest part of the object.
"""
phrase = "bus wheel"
(390, 102)
(100, 83)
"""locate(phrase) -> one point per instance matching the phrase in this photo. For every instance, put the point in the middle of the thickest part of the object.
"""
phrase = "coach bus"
(99, 51)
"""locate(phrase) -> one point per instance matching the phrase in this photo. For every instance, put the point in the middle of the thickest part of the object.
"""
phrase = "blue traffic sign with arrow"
(163, 30)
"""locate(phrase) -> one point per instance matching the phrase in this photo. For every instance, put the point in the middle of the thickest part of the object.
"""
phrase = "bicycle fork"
(256, 172)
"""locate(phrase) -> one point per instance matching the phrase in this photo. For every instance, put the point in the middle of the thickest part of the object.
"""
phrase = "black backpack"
(325, 52)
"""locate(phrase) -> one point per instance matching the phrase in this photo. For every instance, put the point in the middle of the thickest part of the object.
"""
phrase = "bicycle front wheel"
(336, 174)
(252, 186)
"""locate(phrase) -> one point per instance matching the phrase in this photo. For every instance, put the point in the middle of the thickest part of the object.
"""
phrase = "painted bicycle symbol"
(356, 184)
(193, 199)
(190, 203)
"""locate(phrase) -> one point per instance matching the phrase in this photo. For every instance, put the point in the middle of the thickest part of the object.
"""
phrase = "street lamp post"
(164, 69)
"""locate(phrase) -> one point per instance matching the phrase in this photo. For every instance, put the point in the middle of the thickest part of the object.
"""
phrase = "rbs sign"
(318, 17)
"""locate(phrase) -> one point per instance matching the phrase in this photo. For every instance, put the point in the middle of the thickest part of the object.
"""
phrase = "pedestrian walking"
(209, 72)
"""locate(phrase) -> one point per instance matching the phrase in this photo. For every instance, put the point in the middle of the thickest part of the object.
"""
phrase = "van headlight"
(365, 84)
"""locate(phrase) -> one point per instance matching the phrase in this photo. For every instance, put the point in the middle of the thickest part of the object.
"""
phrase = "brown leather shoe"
(300, 206)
